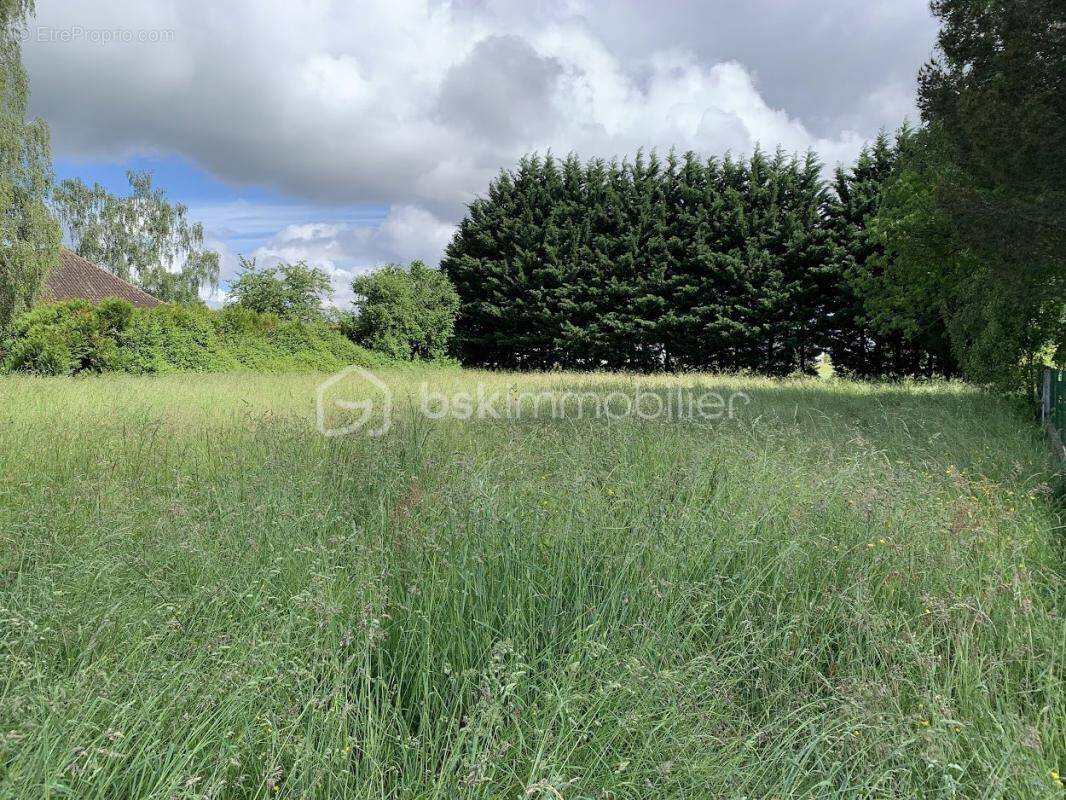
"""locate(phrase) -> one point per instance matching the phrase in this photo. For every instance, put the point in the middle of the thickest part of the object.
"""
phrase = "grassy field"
(844, 591)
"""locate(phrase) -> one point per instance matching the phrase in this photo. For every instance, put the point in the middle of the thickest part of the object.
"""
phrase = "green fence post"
(1059, 399)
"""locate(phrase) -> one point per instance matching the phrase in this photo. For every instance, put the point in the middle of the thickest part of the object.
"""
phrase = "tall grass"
(846, 591)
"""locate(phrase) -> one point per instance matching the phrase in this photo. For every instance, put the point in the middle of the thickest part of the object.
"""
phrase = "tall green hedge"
(680, 263)
(74, 336)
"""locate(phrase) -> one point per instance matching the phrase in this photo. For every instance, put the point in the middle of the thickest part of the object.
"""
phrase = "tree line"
(682, 263)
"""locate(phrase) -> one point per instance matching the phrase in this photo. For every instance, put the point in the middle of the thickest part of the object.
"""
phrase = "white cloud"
(397, 102)
(405, 234)
(411, 106)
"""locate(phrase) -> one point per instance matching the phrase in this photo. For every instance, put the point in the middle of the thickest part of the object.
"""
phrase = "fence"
(1052, 395)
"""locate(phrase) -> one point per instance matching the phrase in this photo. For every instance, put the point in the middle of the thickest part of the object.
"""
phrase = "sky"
(352, 134)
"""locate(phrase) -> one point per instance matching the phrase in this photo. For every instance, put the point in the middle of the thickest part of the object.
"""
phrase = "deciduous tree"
(142, 237)
(406, 313)
(29, 235)
(291, 291)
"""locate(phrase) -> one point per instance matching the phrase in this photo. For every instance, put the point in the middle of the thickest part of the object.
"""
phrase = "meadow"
(846, 590)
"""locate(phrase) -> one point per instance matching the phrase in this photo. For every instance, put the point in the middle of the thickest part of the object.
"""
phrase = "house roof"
(75, 278)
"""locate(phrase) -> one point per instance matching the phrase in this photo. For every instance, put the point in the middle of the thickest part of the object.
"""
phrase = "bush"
(69, 337)
(114, 314)
(43, 352)
(75, 336)
(173, 339)
(404, 313)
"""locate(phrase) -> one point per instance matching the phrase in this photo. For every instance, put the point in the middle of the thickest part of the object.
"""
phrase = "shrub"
(42, 352)
(75, 336)
(114, 314)
(174, 339)
(68, 337)
(404, 313)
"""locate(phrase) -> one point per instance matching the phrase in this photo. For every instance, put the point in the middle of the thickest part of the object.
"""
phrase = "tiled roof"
(74, 278)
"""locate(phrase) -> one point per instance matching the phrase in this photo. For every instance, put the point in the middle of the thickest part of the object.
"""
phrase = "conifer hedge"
(680, 263)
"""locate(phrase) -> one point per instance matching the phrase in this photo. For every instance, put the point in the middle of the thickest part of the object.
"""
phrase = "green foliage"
(997, 328)
(994, 333)
(646, 265)
(65, 338)
(404, 313)
(142, 238)
(29, 236)
(291, 291)
(174, 338)
(40, 352)
(871, 336)
(994, 100)
(973, 229)
(75, 337)
(114, 314)
(744, 265)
